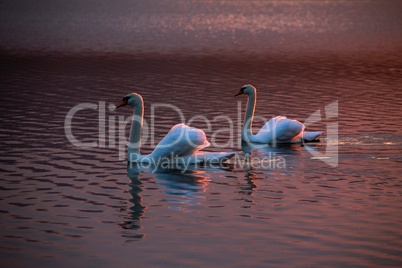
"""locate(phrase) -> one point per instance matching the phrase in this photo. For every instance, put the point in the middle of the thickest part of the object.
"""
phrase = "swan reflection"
(137, 210)
(266, 161)
(279, 148)
(183, 188)
(275, 156)
(247, 189)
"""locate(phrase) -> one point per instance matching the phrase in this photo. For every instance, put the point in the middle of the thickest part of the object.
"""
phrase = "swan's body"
(180, 146)
(277, 130)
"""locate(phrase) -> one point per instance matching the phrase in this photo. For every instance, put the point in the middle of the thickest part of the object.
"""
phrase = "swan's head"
(246, 89)
(132, 99)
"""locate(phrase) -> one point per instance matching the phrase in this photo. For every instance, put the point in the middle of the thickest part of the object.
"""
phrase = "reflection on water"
(280, 148)
(182, 186)
(249, 187)
(138, 209)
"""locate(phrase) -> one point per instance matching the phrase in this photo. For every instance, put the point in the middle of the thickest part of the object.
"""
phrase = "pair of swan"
(183, 144)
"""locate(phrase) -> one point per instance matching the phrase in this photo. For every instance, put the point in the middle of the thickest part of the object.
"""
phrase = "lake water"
(69, 206)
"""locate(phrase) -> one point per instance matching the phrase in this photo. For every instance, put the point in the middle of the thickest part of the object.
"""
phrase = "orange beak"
(122, 103)
(238, 93)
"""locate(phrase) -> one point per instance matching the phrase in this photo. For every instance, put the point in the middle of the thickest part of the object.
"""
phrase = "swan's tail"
(311, 135)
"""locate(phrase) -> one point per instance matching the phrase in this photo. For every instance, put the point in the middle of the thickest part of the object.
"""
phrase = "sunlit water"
(69, 206)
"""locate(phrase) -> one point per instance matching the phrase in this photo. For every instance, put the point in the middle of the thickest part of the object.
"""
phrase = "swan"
(181, 146)
(277, 130)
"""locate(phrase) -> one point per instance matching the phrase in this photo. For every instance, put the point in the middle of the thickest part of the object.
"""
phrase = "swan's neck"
(135, 132)
(248, 120)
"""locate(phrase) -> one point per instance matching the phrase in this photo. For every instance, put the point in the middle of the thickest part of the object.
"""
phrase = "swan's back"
(181, 140)
(280, 129)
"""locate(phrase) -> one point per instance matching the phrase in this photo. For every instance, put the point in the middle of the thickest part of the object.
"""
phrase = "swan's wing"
(280, 129)
(181, 140)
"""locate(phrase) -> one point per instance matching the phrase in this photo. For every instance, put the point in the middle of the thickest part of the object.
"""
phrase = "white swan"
(181, 146)
(277, 130)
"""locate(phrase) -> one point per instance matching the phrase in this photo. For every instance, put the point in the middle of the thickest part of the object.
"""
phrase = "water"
(64, 205)
(199, 26)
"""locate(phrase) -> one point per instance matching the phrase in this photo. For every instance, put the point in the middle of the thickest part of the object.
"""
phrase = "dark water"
(64, 205)
(200, 26)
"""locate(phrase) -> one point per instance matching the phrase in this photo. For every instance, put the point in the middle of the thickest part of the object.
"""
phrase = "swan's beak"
(238, 93)
(123, 103)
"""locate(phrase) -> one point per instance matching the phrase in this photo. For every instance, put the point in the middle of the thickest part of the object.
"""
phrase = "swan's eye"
(125, 99)
(242, 89)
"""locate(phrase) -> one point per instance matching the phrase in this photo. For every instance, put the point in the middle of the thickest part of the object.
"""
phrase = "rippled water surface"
(69, 205)
(64, 205)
